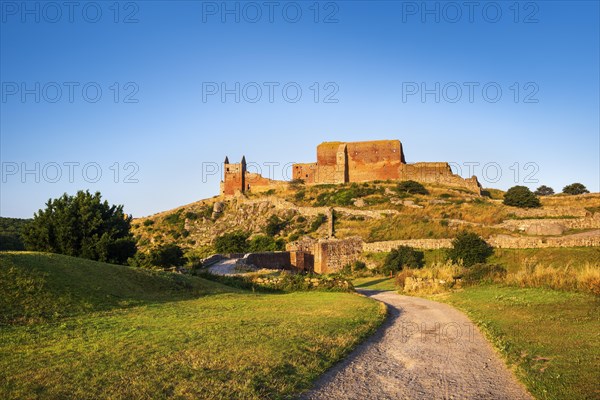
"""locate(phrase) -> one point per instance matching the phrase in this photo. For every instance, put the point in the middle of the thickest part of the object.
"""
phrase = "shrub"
(544, 191)
(484, 273)
(173, 219)
(294, 236)
(265, 243)
(521, 196)
(165, 256)
(411, 187)
(300, 195)
(320, 220)
(469, 248)
(575, 188)
(148, 222)
(191, 215)
(275, 225)
(82, 226)
(403, 256)
(234, 242)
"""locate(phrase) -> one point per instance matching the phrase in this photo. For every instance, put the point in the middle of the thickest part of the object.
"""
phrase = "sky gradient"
(426, 75)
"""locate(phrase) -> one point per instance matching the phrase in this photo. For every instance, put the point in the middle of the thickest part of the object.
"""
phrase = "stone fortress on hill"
(345, 162)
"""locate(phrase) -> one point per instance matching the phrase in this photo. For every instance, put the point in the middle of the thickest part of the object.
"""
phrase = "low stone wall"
(270, 260)
(426, 244)
(578, 240)
(586, 239)
(550, 226)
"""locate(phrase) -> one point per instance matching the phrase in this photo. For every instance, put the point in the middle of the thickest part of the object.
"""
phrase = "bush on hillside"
(265, 243)
(521, 196)
(402, 257)
(544, 191)
(275, 225)
(470, 248)
(411, 187)
(234, 242)
(316, 224)
(575, 188)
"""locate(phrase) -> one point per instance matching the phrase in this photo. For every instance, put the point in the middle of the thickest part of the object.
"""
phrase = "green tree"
(82, 226)
(544, 191)
(234, 242)
(265, 243)
(165, 256)
(403, 256)
(521, 196)
(575, 188)
(470, 248)
(411, 187)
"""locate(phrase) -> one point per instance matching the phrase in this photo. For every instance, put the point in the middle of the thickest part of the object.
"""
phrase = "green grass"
(39, 286)
(552, 338)
(375, 283)
(514, 259)
(193, 340)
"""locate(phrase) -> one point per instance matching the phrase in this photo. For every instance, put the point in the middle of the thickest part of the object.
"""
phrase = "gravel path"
(425, 350)
(225, 267)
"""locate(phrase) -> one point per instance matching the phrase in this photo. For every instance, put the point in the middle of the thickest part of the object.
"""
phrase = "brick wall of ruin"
(339, 162)
(332, 255)
(233, 180)
(274, 260)
(377, 160)
(437, 172)
(307, 172)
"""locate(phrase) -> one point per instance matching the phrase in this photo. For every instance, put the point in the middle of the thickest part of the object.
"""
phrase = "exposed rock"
(359, 203)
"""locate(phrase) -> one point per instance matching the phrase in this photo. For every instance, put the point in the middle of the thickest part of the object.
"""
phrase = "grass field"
(552, 338)
(375, 283)
(83, 329)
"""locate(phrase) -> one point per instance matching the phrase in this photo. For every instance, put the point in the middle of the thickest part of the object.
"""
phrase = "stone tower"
(234, 177)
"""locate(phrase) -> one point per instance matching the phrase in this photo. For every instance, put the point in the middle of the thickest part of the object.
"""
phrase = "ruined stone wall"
(339, 162)
(307, 172)
(327, 162)
(234, 179)
(376, 160)
(270, 260)
(437, 172)
(424, 244)
(551, 226)
(333, 254)
(302, 261)
(587, 239)
(528, 242)
(258, 183)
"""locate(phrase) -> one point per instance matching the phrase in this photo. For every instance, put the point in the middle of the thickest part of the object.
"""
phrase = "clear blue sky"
(374, 58)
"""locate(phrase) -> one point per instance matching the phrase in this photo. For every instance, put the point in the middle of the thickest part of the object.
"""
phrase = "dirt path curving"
(425, 350)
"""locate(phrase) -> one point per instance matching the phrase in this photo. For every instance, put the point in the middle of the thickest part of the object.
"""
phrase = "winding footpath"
(424, 350)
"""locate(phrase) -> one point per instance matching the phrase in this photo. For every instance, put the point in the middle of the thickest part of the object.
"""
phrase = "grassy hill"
(79, 329)
(41, 286)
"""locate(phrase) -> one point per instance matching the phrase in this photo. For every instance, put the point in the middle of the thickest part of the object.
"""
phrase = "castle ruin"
(346, 162)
